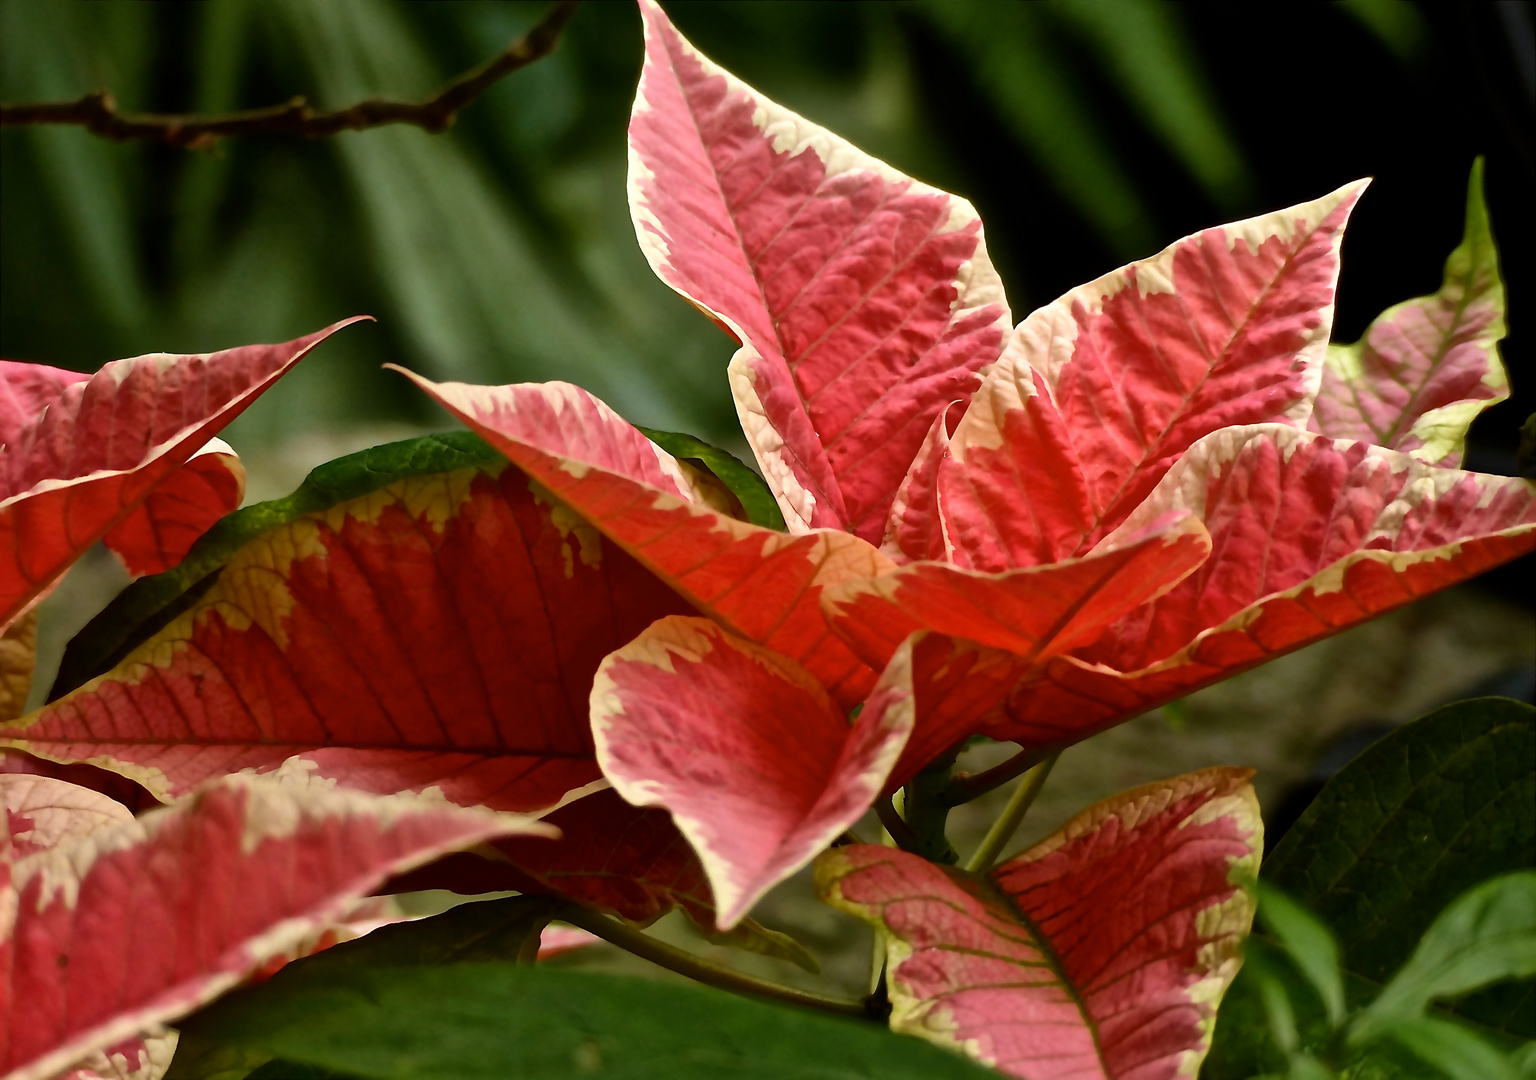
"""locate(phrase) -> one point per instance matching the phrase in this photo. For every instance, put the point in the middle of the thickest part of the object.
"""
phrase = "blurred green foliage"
(1088, 132)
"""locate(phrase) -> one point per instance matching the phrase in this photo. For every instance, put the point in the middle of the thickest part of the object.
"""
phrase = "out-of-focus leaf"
(750, 489)
(1309, 944)
(1451, 1048)
(1014, 64)
(489, 1022)
(1142, 44)
(1487, 935)
(1400, 27)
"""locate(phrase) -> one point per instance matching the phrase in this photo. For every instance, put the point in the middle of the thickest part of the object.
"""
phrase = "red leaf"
(759, 584)
(78, 468)
(759, 769)
(441, 631)
(1309, 536)
(158, 532)
(1428, 366)
(157, 915)
(1103, 951)
(1099, 393)
(1034, 612)
(864, 301)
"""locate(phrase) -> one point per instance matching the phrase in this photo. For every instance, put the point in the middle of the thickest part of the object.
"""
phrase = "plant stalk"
(697, 968)
(1007, 823)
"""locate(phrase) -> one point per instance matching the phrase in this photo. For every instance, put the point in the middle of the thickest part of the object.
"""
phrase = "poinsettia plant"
(617, 672)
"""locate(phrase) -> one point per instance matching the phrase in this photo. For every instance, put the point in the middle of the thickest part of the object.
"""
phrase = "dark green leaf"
(494, 1021)
(1437, 807)
(750, 489)
(150, 603)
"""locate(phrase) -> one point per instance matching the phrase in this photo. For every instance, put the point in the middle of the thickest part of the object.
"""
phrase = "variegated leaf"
(1426, 367)
(1309, 536)
(1100, 392)
(78, 468)
(158, 532)
(757, 766)
(1034, 612)
(864, 301)
(758, 583)
(419, 615)
(1101, 952)
(43, 813)
(154, 916)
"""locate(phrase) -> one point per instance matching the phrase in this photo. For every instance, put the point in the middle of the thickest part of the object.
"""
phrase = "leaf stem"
(1007, 823)
(697, 968)
(964, 789)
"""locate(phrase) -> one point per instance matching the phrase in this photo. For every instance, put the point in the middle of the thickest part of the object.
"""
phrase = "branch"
(97, 112)
(701, 970)
(964, 788)
(1007, 824)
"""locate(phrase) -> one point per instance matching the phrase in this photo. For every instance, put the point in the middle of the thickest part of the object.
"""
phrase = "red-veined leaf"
(915, 529)
(1426, 367)
(864, 301)
(1100, 392)
(419, 615)
(1309, 536)
(43, 813)
(79, 467)
(26, 390)
(760, 584)
(1034, 612)
(757, 766)
(141, 922)
(158, 532)
(1101, 952)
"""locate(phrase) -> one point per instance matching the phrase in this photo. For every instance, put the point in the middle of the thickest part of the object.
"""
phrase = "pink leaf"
(136, 924)
(760, 584)
(1103, 951)
(759, 769)
(1034, 612)
(1103, 390)
(863, 300)
(78, 468)
(1428, 366)
(26, 390)
(1309, 536)
(158, 532)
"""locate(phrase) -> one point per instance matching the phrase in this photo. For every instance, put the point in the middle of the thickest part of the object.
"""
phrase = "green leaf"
(152, 602)
(749, 488)
(1486, 936)
(1438, 807)
(1310, 945)
(492, 1021)
(1453, 1049)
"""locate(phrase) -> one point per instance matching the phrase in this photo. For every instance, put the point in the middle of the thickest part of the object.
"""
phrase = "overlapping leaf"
(74, 471)
(863, 300)
(1103, 951)
(420, 615)
(1100, 392)
(758, 583)
(1426, 367)
(1309, 536)
(131, 925)
(757, 766)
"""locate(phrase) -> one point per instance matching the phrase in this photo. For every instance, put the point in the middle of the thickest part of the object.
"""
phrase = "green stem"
(697, 968)
(1007, 823)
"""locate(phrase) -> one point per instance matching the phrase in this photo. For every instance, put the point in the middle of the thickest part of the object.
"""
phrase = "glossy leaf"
(1102, 951)
(760, 584)
(426, 629)
(864, 301)
(78, 469)
(757, 766)
(1426, 367)
(162, 913)
(751, 491)
(1035, 612)
(1100, 392)
(1309, 536)
(536, 1023)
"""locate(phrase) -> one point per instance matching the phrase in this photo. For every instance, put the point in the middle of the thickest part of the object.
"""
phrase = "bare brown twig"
(98, 113)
